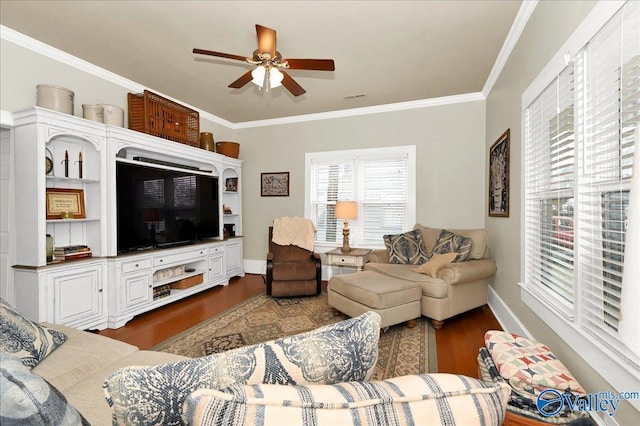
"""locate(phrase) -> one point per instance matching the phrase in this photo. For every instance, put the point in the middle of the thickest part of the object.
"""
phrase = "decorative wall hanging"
(499, 177)
(274, 184)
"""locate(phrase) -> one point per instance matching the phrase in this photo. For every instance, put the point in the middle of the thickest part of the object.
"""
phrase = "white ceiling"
(391, 51)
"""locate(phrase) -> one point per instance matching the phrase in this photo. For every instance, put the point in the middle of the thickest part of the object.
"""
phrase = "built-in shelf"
(70, 180)
(178, 278)
(85, 219)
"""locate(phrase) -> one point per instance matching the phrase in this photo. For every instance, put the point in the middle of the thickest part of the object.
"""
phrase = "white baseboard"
(258, 267)
(505, 316)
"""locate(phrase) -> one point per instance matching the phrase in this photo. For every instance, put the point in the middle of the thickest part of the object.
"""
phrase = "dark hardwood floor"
(457, 342)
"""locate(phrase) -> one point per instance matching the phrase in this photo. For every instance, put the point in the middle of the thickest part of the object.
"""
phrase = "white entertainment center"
(108, 289)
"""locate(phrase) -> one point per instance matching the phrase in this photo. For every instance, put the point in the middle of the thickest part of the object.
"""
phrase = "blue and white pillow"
(344, 351)
(407, 248)
(448, 242)
(28, 399)
(24, 338)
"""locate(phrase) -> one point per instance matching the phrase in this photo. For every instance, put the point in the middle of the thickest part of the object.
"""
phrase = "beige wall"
(449, 161)
(23, 69)
(549, 27)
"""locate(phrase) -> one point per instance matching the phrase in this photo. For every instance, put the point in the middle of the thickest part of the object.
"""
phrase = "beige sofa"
(457, 288)
(79, 366)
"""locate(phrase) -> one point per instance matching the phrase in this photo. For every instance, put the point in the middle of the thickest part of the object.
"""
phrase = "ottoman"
(394, 300)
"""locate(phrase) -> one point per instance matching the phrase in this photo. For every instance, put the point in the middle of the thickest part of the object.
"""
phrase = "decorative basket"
(230, 149)
(152, 114)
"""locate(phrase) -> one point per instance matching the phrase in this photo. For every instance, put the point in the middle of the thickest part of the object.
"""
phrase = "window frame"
(618, 370)
(354, 156)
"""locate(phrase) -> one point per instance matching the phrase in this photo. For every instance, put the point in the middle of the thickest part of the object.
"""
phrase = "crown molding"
(400, 106)
(524, 13)
(39, 47)
(6, 119)
(44, 49)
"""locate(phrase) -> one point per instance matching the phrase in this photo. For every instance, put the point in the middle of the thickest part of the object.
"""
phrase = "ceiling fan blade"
(220, 54)
(292, 85)
(266, 40)
(244, 79)
(311, 64)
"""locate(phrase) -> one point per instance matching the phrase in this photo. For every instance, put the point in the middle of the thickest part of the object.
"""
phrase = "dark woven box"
(152, 114)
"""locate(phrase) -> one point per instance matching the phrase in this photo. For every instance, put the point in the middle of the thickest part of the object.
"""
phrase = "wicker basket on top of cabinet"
(152, 114)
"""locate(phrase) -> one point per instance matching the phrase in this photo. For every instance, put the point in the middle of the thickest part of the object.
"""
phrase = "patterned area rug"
(402, 350)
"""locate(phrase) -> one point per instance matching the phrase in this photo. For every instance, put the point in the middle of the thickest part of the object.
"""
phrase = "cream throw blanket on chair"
(298, 231)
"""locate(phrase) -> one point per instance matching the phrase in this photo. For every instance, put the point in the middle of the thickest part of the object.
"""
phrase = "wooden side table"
(356, 258)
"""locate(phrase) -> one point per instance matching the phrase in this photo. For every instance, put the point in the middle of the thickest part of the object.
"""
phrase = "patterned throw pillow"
(28, 399)
(448, 242)
(426, 399)
(407, 248)
(344, 351)
(24, 338)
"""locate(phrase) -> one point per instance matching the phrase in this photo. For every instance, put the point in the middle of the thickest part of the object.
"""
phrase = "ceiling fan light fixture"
(275, 78)
(258, 76)
(271, 77)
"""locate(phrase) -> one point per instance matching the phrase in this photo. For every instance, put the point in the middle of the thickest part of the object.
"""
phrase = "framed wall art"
(274, 184)
(499, 177)
(65, 203)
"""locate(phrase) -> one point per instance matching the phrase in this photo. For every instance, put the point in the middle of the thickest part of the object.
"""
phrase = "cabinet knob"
(137, 265)
(100, 290)
(161, 260)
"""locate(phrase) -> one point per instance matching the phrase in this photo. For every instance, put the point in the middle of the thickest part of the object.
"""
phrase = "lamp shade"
(258, 76)
(346, 210)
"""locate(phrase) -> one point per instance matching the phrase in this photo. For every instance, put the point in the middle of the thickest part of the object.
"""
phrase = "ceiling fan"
(269, 72)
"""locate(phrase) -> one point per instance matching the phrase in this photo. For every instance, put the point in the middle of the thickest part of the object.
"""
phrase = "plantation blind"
(609, 70)
(377, 180)
(550, 152)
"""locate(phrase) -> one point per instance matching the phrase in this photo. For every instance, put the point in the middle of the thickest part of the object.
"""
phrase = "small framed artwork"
(231, 185)
(65, 203)
(274, 184)
(499, 177)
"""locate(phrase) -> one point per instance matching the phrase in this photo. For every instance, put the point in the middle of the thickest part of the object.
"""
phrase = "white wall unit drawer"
(216, 249)
(136, 265)
(176, 258)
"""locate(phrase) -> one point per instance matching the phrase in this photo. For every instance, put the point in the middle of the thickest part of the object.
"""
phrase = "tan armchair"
(292, 270)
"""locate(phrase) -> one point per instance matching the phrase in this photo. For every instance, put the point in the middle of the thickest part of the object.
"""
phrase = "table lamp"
(346, 210)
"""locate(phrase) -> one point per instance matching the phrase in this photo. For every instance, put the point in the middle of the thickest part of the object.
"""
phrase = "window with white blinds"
(578, 159)
(381, 180)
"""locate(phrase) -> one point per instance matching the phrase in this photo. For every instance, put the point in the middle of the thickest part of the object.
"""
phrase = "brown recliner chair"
(292, 270)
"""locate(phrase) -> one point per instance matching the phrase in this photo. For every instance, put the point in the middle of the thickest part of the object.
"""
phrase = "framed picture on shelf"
(65, 203)
(231, 185)
(499, 177)
(274, 184)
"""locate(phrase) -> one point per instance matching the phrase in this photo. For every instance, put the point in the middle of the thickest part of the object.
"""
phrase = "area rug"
(402, 350)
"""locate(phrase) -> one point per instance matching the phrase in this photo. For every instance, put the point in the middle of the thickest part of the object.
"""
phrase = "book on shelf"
(161, 291)
(72, 252)
(72, 249)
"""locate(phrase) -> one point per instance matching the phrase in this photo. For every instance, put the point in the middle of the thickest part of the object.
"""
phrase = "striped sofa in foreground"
(429, 399)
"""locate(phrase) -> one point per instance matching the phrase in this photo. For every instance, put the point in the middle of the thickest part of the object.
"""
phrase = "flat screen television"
(157, 207)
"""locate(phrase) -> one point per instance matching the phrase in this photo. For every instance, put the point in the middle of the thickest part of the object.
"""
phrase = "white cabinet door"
(217, 270)
(137, 290)
(233, 251)
(78, 296)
